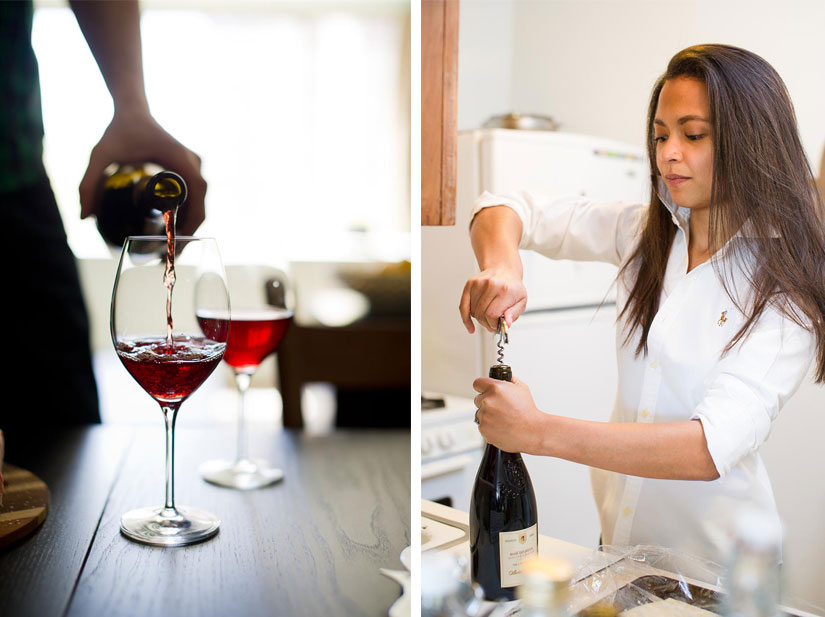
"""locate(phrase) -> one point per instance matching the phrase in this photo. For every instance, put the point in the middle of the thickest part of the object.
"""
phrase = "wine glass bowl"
(258, 325)
(169, 363)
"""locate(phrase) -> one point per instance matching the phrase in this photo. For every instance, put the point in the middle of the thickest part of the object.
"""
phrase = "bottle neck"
(163, 191)
(502, 372)
(492, 453)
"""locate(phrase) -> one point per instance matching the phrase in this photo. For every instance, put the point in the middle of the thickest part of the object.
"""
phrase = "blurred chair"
(367, 361)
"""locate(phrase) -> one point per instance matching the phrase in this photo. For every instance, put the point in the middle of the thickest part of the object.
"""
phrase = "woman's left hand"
(507, 416)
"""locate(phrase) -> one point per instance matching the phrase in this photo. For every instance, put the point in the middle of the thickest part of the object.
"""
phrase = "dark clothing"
(21, 120)
(48, 382)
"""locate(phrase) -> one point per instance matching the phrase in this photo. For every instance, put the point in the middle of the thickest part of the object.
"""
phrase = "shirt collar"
(681, 216)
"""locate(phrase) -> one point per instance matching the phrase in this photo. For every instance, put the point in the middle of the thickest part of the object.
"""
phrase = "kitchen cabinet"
(439, 110)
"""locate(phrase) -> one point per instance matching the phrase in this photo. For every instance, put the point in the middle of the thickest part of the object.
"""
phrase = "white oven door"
(450, 480)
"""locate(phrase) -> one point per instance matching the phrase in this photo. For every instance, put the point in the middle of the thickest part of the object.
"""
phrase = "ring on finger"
(475, 419)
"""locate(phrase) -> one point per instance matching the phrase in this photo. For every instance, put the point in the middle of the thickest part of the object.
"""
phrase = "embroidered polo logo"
(722, 319)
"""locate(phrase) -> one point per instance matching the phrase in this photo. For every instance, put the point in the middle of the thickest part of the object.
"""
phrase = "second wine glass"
(257, 328)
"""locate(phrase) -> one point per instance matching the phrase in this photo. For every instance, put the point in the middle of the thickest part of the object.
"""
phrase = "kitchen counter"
(437, 520)
(460, 545)
(447, 529)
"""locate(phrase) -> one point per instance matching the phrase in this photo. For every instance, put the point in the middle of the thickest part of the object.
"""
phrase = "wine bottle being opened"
(132, 201)
(503, 518)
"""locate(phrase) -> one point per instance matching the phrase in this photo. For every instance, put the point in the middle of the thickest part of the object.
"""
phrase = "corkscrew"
(503, 338)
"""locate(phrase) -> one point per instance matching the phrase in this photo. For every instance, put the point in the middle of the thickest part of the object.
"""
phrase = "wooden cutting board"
(25, 504)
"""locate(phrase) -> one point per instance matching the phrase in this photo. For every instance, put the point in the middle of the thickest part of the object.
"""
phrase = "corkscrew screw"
(503, 338)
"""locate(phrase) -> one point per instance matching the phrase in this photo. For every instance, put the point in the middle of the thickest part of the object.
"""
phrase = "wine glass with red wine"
(258, 325)
(157, 337)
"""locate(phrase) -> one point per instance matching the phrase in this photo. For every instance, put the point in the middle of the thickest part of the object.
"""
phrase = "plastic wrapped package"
(642, 581)
(617, 580)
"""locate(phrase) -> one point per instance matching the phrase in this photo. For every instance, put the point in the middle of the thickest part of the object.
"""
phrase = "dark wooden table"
(310, 545)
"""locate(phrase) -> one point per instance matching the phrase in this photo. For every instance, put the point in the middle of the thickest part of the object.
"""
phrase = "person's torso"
(695, 322)
(21, 131)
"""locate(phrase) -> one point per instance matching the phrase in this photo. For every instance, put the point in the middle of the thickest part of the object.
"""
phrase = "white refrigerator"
(563, 346)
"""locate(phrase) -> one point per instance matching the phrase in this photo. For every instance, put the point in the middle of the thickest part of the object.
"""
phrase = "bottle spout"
(166, 191)
(502, 372)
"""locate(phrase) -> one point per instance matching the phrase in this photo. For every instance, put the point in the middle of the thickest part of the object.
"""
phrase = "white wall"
(591, 63)
(485, 60)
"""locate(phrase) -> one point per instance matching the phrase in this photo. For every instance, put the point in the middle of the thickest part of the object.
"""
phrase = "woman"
(721, 305)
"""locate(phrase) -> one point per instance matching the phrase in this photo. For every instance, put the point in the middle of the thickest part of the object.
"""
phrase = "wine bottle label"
(515, 547)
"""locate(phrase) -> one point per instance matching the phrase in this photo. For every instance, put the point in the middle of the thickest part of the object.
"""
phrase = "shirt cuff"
(488, 200)
(733, 433)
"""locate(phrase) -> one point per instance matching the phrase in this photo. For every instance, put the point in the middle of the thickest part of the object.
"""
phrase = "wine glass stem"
(170, 413)
(242, 380)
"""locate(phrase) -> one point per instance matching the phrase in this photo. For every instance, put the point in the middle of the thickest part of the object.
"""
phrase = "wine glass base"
(160, 526)
(244, 474)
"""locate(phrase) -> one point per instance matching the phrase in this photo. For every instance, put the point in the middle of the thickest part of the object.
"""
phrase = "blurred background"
(300, 114)
(583, 70)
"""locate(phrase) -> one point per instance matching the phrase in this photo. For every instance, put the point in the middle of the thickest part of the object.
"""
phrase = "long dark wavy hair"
(760, 176)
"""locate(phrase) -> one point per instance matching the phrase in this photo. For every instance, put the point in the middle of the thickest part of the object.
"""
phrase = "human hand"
(489, 295)
(135, 138)
(507, 416)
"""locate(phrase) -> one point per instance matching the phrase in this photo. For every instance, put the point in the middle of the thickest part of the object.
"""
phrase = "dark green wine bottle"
(503, 517)
(133, 200)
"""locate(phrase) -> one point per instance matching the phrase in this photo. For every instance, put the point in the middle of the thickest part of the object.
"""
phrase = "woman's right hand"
(489, 295)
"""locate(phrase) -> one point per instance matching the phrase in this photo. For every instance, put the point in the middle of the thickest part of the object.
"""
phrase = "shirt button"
(654, 365)
(627, 511)
(645, 413)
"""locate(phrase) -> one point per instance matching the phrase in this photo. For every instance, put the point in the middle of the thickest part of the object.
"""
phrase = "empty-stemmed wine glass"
(258, 325)
(158, 339)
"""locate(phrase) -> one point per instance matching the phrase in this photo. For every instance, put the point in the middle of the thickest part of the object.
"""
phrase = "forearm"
(495, 234)
(669, 450)
(112, 30)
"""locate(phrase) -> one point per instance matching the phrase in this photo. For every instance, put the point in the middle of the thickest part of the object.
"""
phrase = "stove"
(451, 450)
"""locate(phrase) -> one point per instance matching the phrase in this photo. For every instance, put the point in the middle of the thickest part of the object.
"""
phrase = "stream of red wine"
(169, 217)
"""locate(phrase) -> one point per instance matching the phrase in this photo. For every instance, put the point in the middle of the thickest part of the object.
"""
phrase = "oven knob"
(426, 445)
(445, 440)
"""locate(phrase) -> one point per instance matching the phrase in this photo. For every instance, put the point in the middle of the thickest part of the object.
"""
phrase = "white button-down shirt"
(682, 377)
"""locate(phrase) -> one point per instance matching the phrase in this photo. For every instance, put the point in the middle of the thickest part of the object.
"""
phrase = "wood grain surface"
(38, 573)
(439, 111)
(449, 117)
(310, 545)
(432, 88)
(25, 504)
